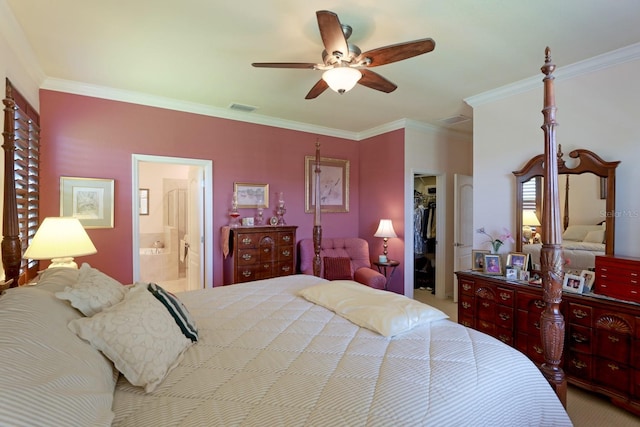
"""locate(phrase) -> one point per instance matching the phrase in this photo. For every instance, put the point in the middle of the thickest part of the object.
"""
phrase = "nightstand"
(383, 266)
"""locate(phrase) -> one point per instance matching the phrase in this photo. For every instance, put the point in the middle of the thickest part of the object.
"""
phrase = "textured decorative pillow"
(177, 310)
(49, 376)
(138, 335)
(383, 312)
(93, 292)
(579, 232)
(337, 268)
(594, 237)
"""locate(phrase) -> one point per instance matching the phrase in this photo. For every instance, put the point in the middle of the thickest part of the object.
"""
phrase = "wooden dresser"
(260, 253)
(602, 340)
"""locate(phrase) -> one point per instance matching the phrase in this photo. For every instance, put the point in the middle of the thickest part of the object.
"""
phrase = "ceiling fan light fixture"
(341, 79)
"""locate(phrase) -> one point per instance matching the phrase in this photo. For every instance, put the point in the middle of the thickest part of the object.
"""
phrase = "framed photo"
(88, 199)
(512, 273)
(477, 258)
(524, 275)
(251, 195)
(492, 264)
(589, 277)
(144, 201)
(518, 260)
(573, 283)
(334, 185)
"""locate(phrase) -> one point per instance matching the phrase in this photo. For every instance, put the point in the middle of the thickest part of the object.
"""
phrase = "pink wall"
(91, 137)
(382, 196)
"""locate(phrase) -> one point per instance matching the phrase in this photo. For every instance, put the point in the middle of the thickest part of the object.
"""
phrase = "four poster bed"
(295, 350)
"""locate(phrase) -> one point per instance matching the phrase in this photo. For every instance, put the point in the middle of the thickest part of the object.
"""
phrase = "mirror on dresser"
(586, 191)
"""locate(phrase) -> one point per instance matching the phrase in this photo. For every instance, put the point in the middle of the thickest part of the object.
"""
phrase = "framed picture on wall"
(251, 195)
(88, 199)
(334, 185)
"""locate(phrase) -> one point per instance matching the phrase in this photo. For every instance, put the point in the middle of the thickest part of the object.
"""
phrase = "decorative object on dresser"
(603, 334)
(281, 210)
(618, 277)
(259, 253)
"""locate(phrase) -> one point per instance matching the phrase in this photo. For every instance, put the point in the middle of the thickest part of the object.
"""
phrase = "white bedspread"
(580, 255)
(267, 357)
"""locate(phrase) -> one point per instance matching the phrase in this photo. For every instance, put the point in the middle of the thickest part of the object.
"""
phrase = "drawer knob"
(246, 273)
(466, 305)
(286, 238)
(246, 241)
(580, 314)
(505, 339)
(286, 268)
(539, 304)
(286, 252)
(537, 349)
(485, 304)
(578, 364)
(246, 257)
(613, 339)
(505, 296)
(466, 286)
(537, 325)
(613, 366)
(579, 338)
(266, 250)
(504, 316)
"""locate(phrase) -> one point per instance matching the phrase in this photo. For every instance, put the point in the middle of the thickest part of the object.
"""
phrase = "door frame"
(207, 232)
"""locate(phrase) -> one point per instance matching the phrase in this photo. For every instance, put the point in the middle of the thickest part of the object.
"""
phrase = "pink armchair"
(353, 248)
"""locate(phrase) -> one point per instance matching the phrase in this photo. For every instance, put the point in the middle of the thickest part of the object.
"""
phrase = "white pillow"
(93, 292)
(596, 236)
(579, 232)
(56, 279)
(383, 312)
(138, 335)
(49, 376)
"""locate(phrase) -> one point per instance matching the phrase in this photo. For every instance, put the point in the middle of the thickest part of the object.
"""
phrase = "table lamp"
(60, 239)
(386, 231)
(529, 219)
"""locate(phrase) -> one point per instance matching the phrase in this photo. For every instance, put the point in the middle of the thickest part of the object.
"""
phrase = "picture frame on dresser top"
(477, 257)
(251, 195)
(518, 260)
(492, 264)
(589, 277)
(334, 185)
(573, 283)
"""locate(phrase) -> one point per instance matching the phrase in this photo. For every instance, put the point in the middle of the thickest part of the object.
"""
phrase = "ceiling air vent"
(243, 107)
(454, 120)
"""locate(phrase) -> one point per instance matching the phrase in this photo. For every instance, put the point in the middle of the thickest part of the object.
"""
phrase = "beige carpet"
(585, 409)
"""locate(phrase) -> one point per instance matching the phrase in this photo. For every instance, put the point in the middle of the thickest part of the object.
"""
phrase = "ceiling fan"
(343, 63)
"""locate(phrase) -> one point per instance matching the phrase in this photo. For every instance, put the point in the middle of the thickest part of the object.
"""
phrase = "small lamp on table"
(386, 231)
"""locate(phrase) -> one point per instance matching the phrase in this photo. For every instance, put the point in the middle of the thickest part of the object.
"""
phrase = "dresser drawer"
(285, 253)
(466, 287)
(465, 305)
(286, 238)
(506, 297)
(248, 257)
(579, 338)
(580, 314)
(579, 365)
(612, 374)
(504, 316)
(248, 240)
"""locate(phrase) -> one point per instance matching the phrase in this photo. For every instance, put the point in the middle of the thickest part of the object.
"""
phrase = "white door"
(463, 226)
(195, 226)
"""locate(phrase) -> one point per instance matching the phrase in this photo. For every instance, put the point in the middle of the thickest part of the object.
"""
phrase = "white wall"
(597, 110)
(442, 154)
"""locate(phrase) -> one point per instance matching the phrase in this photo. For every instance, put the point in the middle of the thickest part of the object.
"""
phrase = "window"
(22, 151)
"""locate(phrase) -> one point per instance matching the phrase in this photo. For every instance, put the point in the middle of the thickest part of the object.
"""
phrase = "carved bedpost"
(317, 227)
(551, 256)
(11, 246)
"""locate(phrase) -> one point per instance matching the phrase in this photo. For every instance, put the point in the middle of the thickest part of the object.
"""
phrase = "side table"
(383, 266)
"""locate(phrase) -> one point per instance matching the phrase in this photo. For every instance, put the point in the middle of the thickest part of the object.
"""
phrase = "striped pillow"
(337, 268)
(178, 311)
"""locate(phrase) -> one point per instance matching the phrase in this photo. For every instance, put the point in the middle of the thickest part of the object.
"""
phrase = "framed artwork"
(477, 258)
(88, 199)
(512, 273)
(573, 283)
(524, 275)
(334, 185)
(251, 195)
(589, 277)
(143, 207)
(492, 264)
(518, 260)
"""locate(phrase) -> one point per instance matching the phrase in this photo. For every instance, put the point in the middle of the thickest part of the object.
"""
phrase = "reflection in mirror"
(586, 192)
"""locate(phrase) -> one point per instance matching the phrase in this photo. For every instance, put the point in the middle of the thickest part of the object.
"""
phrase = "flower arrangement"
(497, 243)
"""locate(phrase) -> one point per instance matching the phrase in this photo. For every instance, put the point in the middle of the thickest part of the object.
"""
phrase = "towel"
(224, 240)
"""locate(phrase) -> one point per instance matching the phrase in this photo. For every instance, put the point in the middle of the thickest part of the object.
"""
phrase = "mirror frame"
(588, 162)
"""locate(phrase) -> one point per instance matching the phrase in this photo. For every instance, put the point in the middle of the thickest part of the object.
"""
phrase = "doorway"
(425, 224)
(172, 229)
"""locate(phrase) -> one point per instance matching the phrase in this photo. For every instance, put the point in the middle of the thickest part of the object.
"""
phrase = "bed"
(580, 246)
(79, 348)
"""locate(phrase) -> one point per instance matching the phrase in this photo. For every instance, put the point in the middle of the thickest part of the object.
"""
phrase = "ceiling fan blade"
(376, 81)
(331, 32)
(304, 65)
(396, 52)
(317, 89)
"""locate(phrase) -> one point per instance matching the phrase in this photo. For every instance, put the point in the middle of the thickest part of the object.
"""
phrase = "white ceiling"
(200, 51)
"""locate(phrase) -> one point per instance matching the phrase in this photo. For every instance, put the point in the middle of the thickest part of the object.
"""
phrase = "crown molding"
(597, 63)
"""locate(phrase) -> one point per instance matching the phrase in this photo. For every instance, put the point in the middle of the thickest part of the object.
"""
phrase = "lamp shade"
(341, 79)
(385, 229)
(60, 239)
(529, 218)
